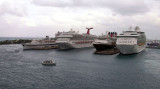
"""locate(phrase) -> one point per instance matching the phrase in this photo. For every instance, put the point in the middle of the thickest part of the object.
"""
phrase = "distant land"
(18, 40)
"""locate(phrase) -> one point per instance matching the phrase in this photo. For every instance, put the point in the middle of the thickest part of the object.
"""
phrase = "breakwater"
(20, 41)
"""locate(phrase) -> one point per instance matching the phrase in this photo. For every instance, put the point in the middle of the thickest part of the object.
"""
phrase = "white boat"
(46, 43)
(48, 63)
(72, 39)
(130, 42)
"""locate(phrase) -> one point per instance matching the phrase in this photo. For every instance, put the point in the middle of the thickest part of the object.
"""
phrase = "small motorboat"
(48, 63)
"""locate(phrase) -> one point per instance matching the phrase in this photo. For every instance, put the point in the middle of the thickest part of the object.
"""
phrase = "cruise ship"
(130, 42)
(73, 39)
(153, 44)
(46, 43)
(105, 42)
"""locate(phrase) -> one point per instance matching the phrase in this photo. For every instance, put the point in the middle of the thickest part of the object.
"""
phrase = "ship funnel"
(137, 29)
(47, 38)
(88, 30)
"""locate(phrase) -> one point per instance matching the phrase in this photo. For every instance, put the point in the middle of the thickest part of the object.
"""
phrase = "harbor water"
(77, 69)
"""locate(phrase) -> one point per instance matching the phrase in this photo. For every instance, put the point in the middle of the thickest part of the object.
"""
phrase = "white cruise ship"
(130, 42)
(46, 43)
(72, 39)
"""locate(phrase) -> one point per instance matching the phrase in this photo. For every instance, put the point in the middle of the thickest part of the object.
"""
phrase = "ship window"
(133, 34)
(62, 39)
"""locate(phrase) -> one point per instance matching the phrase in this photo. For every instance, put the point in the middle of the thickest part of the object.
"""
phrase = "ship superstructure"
(129, 42)
(72, 39)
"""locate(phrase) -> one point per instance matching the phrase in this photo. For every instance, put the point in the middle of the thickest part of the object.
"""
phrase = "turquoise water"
(78, 69)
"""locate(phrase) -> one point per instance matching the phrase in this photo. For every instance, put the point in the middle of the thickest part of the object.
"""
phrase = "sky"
(40, 18)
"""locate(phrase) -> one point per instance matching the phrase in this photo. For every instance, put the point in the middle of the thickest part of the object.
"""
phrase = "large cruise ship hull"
(66, 45)
(103, 46)
(130, 49)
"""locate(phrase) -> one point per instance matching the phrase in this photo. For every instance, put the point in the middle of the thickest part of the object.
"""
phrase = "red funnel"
(88, 30)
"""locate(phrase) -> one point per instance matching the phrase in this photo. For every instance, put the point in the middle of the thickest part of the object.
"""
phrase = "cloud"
(124, 7)
(11, 8)
(54, 3)
(45, 17)
(129, 7)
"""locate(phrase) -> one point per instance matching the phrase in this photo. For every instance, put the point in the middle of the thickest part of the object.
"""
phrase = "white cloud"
(46, 17)
(124, 7)
(10, 7)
